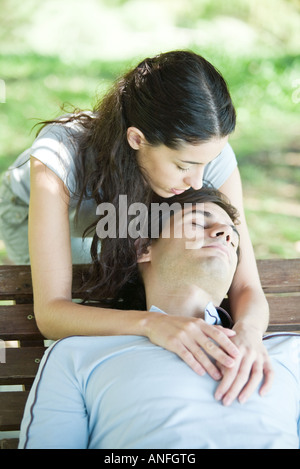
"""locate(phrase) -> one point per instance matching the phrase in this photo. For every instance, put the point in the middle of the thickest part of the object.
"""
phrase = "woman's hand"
(251, 367)
(194, 341)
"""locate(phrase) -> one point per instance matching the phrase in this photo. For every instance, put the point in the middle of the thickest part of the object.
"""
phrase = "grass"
(265, 140)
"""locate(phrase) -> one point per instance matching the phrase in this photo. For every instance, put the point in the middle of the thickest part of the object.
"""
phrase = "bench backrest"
(24, 345)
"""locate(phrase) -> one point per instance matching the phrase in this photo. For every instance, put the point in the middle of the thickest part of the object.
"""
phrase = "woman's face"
(170, 172)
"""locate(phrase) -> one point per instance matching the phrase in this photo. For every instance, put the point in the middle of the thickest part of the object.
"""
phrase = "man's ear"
(135, 137)
(143, 252)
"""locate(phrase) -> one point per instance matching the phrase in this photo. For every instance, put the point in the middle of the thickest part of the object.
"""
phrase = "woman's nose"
(195, 180)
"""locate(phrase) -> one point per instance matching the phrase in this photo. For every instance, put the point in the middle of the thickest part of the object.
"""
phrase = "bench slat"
(11, 409)
(279, 275)
(15, 281)
(21, 365)
(284, 310)
(18, 323)
(9, 443)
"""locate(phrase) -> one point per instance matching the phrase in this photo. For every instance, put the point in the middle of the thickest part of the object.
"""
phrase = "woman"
(163, 127)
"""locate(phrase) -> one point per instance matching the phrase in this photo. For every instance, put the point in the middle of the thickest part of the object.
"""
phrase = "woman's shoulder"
(219, 169)
(65, 125)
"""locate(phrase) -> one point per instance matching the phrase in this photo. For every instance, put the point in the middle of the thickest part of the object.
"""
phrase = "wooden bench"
(280, 280)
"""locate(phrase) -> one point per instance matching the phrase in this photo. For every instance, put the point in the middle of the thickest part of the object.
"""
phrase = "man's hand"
(251, 367)
(197, 343)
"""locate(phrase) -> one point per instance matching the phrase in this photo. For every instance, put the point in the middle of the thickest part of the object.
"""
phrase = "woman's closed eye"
(184, 170)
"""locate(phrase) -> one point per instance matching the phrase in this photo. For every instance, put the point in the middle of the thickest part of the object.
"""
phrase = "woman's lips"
(177, 191)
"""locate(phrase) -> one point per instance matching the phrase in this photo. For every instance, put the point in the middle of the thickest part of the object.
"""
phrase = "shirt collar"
(212, 315)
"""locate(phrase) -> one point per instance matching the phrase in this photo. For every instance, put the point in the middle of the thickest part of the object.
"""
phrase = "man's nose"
(222, 231)
(195, 180)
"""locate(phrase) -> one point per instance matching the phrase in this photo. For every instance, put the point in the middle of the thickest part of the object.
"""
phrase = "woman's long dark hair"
(173, 97)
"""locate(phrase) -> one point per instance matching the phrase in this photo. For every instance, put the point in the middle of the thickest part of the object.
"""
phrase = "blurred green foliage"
(264, 82)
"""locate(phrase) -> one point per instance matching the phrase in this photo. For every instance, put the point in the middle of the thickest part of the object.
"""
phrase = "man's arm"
(55, 416)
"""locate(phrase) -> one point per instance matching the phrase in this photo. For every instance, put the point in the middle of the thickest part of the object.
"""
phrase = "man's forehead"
(206, 210)
(180, 218)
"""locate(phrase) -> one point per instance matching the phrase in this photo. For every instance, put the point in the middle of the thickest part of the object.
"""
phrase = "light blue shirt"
(123, 392)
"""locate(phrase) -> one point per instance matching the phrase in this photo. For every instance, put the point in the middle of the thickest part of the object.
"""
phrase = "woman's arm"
(51, 265)
(247, 300)
(250, 314)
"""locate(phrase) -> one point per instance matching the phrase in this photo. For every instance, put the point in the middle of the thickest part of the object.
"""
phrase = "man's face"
(205, 254)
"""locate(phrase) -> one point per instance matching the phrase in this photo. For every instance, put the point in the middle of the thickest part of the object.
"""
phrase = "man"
(126, 392)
